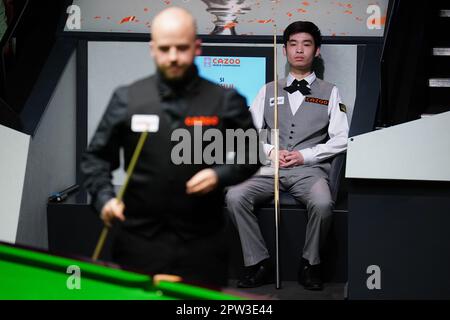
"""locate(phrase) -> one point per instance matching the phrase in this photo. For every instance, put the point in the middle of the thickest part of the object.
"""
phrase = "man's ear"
(284, 50)
(198, 47)
(317, 52)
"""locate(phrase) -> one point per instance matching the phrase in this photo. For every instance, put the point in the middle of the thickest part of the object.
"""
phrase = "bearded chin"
(168, 77)
(179, 79)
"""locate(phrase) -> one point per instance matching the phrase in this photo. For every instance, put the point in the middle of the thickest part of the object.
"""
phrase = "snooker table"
(28, 274)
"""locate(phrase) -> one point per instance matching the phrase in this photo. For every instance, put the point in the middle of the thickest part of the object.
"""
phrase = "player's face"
(300, 51)
(174, 51)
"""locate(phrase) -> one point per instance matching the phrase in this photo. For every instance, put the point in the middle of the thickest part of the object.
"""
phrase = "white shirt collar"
(310, 78)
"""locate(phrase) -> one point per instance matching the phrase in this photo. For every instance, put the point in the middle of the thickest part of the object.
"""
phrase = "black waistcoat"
(156, 197)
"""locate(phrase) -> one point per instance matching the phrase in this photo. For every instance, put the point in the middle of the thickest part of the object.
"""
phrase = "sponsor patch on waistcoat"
(317, 100)
(202, 121)
(279, 99)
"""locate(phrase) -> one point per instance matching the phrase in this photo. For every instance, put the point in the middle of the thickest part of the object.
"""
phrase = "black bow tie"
(300, 86)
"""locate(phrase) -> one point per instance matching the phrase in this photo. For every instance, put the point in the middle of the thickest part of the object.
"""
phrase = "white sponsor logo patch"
(280, 101)
(145, 122)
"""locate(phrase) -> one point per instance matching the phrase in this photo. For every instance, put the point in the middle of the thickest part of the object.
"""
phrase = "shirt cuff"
(223, 174)
(267, 149)
(308, 156)
(101, 199)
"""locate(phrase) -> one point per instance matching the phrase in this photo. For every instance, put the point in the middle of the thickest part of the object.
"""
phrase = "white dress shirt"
(337, 129)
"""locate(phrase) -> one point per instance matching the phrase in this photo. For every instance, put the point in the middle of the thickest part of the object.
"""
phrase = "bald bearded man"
(172, 215)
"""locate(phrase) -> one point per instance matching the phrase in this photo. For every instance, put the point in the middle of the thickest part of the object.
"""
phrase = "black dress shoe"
(310, 277)
(257, 275)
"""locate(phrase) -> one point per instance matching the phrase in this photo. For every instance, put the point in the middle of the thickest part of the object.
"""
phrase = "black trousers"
(203, 260)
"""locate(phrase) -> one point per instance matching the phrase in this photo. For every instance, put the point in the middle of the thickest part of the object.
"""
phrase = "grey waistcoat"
(307, 128)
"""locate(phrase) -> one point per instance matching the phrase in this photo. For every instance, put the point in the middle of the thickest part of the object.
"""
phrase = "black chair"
(293, 225)
(337, 174)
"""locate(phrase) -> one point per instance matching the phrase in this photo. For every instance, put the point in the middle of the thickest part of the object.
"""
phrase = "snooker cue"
(277, 167)
(134, 158)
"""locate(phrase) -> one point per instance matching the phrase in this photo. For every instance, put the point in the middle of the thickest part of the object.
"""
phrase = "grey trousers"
(312, 190)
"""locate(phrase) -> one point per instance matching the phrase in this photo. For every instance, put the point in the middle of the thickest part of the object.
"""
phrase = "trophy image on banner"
(226, 12)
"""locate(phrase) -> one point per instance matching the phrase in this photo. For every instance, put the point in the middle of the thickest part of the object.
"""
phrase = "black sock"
(305, 263)
(267, 263)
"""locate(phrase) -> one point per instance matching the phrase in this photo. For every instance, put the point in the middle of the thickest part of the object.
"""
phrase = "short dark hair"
(303, 26)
